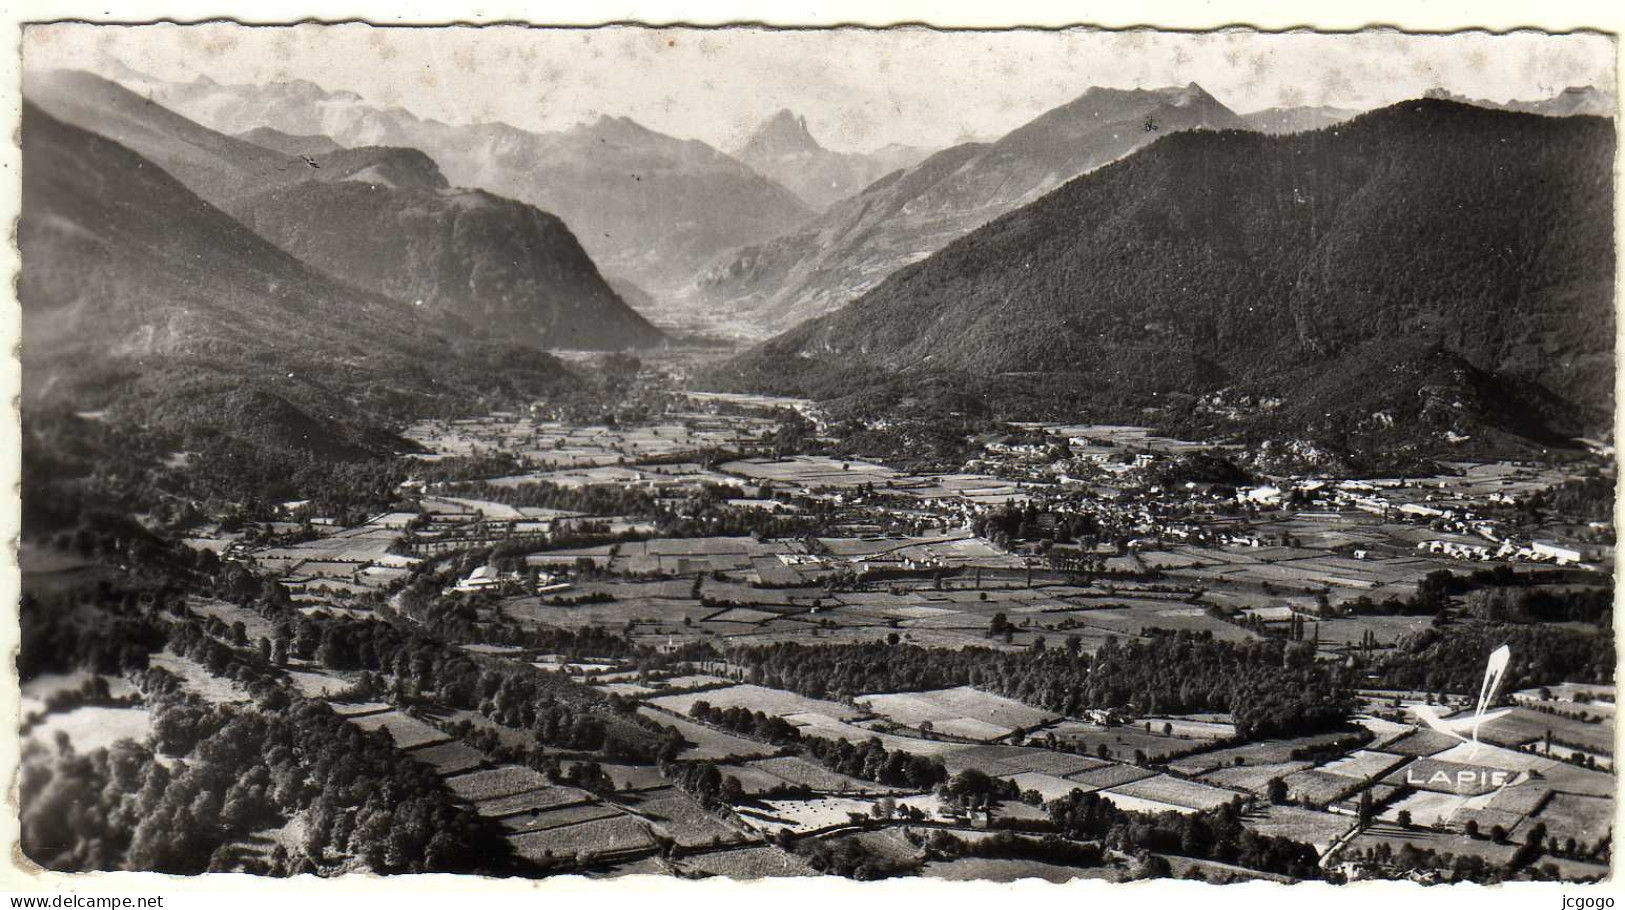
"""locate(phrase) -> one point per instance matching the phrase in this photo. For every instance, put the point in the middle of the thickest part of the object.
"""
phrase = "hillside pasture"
(1164, 788)
(708, 744)
(548, 819)
(822, 725)
(586, 841)
(531, 800)
(1253, 778)
(199, 681)
(407, 732)
(680, 818)
(746, 864)
(1121, 741)
(801, 815)
(92, 728)
(962, 711)
(1587, 819)
(450, 758)
(496, 783)
(1306, 826)
(799, 771)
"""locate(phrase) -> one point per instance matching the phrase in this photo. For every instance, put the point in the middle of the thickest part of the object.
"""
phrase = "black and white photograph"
(1085, 455)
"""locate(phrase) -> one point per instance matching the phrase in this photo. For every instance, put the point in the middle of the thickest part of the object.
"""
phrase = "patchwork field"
(1363, 764)
(1263, 752)
(530, 800)
(1110, 776)
(1253, 778)
(1587, 819)
(585, 841)
(1007, 760)
(1121, 742)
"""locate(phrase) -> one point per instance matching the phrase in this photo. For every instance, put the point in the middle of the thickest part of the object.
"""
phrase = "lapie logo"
(1493, 671)
(1465, 779)
(1469, 779)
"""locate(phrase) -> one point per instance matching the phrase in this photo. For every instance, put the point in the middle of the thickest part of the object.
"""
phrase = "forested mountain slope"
(1410, 271)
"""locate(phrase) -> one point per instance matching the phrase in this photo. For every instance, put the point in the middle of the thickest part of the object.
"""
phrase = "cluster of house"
(487, 580)
(1535, 551)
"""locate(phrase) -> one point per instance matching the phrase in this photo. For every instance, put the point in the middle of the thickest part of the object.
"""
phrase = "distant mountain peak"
(783, 133)
(1190, 93)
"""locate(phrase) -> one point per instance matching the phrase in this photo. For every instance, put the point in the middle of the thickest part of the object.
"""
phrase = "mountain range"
(646, 206)
(783, 149)
(1576, 100)
(1430, 271)
(910, 214)
(380, 218)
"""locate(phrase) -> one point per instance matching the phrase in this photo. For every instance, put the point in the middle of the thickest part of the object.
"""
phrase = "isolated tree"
(1277, 790)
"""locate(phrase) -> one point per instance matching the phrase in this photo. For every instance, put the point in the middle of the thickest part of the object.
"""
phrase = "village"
(692, 538)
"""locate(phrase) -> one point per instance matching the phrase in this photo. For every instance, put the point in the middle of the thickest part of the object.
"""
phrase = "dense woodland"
(242, 769)
(1271, 687)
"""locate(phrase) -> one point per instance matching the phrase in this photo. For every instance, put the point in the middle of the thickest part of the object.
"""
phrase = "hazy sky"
(859, 89)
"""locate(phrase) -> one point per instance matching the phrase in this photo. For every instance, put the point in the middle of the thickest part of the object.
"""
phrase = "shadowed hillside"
(143, 301)
(383, 219)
